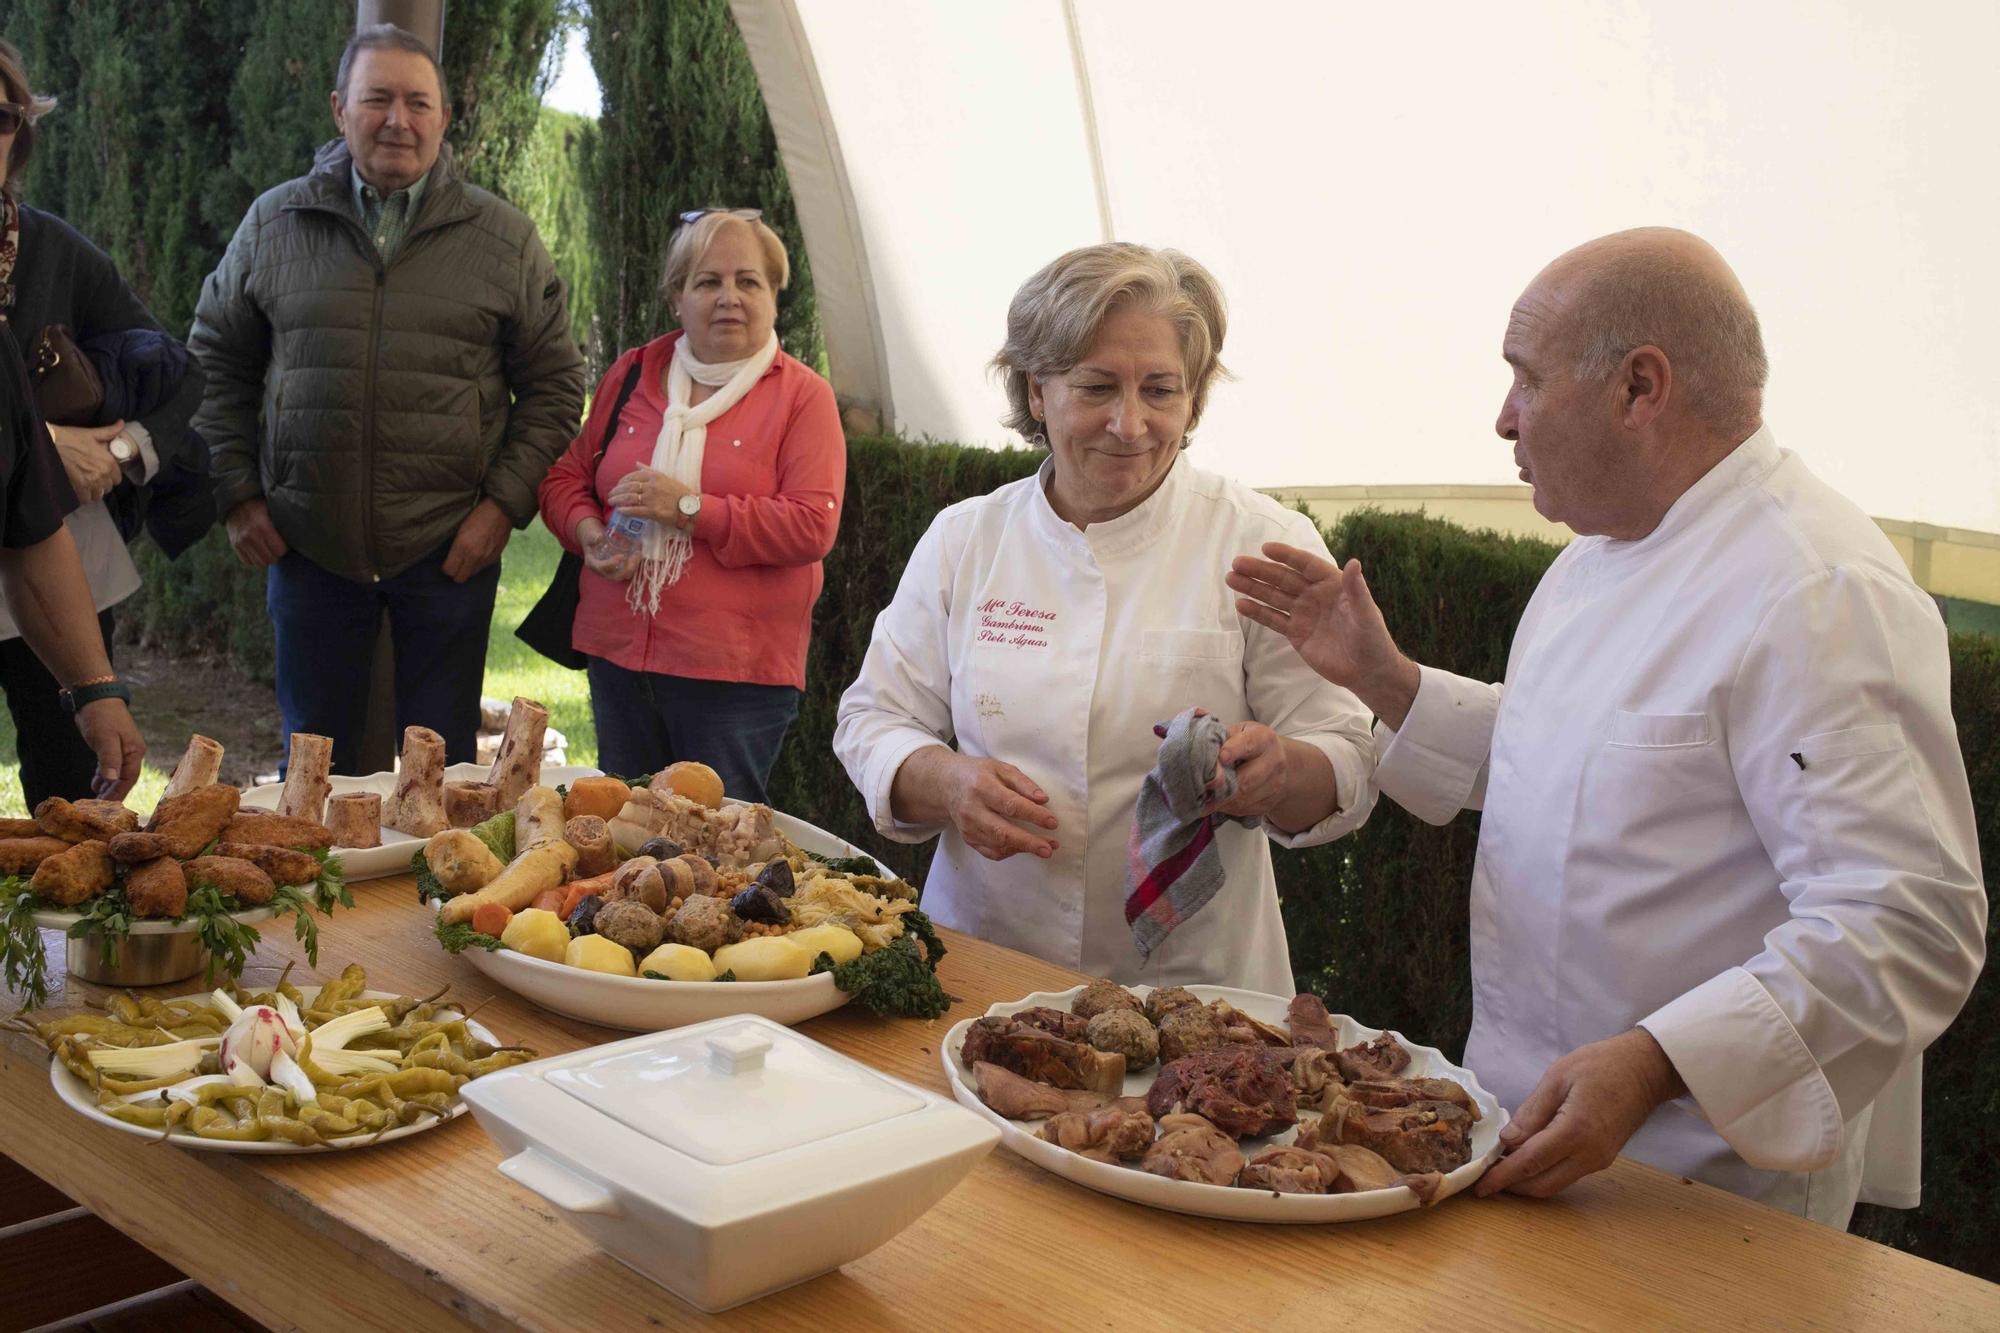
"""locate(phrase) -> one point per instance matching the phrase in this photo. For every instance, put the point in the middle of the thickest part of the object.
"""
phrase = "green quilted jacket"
(374, 405)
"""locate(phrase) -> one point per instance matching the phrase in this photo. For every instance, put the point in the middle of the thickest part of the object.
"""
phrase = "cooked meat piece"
(1108, 1135)
(704, 923)
(1100, 995)
(71, 876)
(132, 848)
(1163, 1000)
(277, 831)
(1409, 1091)
(232, 878)
(120, 816)
(1289, 1171)
(73, 823)
(1312, 1071)
(1241, 1090)
(157, 888)
(1382, 1058)
(1238, 1026)
(1018, 1098)
(1034, 1054)
(1364, 1169)
(1126, 1033)
(1310, 1023)
(631, 923)
(1190, 1028)
(1189, 1148)
(20, 828)
(18, 856)
(1055, 1022)
(198, 819)
(1429, 1136)
(282, 864)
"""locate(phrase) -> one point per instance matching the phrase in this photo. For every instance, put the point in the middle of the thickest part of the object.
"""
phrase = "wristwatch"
(690, 507)
(88, 692)
(122, 447)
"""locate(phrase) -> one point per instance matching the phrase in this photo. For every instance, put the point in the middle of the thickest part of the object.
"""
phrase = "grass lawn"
(512, 667)
(145, 796)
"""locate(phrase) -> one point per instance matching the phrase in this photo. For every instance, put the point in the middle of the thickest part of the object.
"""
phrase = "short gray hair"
(691, 242)
(1631, 297)
(382, 37)
(1055, 316)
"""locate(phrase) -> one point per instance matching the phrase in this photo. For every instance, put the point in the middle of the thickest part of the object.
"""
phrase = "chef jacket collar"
(1138, 527)
(1745, 465)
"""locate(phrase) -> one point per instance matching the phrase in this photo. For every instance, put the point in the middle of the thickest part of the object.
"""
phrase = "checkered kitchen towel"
(1172, 865)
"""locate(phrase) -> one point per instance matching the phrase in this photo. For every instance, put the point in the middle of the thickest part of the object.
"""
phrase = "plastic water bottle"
(624, 535)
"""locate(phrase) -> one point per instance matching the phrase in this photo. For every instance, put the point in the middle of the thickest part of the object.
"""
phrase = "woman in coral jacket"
(696, 633)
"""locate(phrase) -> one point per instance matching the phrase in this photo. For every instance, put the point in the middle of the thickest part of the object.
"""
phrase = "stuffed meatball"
(1190, 1028)
(1101, 995)
(631, 923)
(1163, 1000)
(704, 923)
(1124, 1032)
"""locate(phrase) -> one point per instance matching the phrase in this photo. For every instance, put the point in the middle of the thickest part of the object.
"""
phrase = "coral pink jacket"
(772, 481)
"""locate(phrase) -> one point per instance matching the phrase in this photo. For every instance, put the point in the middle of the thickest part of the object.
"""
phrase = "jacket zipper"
(368, 425)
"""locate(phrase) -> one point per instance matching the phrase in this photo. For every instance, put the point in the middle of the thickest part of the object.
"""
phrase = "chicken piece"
(1411, 1091)
(277, 831)
(1034, 1054)
(1018, 1098)
(282, 864)
(1054, 1022)
(72, 823)
(1241, 1090)
(1382, 1058)
(199, 820)
(1100, 995)
(232, 878)
(157, 888)
(73, 876)
(1189, 1148)
(1310, 1023)
(18, 856)
(1290, 1171)
(1107, 1135)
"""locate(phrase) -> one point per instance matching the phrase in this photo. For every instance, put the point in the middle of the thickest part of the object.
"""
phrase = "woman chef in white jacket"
(1009, 693)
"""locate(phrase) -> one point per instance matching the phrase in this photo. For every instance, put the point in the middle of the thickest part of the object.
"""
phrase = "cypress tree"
(683, 127)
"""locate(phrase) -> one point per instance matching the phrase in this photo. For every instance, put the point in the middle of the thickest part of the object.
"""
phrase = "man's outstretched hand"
(1331, 620)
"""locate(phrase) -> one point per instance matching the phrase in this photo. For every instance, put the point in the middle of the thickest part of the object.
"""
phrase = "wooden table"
(426, 1234)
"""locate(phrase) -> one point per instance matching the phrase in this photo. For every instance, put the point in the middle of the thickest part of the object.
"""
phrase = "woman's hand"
(650, 494)
(618, 567)
(989, 801)
(1263, 770)
(86, 457)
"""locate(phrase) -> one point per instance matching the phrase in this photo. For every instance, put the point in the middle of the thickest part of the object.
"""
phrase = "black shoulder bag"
(550, 625)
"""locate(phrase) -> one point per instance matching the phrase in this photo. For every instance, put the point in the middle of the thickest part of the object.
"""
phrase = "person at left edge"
(405, 340)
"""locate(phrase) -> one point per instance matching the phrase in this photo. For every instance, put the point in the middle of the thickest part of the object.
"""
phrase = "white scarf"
(678, 453)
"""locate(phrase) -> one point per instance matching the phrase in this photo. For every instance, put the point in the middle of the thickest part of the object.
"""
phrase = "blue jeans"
(326, 629)
(646, 721)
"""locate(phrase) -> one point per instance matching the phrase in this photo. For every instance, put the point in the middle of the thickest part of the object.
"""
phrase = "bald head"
(1668, 289)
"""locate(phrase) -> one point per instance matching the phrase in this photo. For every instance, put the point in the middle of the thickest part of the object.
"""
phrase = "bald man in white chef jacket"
(1727, 887)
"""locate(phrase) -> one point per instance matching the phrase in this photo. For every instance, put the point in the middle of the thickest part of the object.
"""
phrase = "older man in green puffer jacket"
(390, 373)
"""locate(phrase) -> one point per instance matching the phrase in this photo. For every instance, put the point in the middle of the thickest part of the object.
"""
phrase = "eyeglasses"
(12, 117)
(747, 214)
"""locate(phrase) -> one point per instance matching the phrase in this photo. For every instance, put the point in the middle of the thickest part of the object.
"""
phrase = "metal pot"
(140, 960)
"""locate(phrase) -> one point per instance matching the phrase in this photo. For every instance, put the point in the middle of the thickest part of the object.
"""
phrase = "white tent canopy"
(1374, 185)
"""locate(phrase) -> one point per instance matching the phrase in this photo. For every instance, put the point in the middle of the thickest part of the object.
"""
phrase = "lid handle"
(737, 1052)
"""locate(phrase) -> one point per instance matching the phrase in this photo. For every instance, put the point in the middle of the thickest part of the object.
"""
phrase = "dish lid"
(733, 1090)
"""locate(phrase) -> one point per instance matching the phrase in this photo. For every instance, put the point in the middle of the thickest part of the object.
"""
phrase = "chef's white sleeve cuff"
(1354, 779)
(884, 763)
(1750, 1072)
(1432, 764)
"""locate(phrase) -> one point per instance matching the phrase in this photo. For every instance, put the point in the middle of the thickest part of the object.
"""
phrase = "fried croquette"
(132, 848)
(282, 864)
(157, 888)
(72, 823)
(19, 828)
(200, 821)
(232, 878)
(120, 816)
(278, 831)
(201, 799)
(18, 856)
(74, 875)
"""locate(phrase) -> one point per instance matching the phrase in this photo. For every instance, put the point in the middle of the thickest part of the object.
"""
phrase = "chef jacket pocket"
(1657, 731)
(1195, 668)
(1865, 808)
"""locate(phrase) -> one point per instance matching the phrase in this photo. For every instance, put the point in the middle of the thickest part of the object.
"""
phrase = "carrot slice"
(551, 901)
(490, 919)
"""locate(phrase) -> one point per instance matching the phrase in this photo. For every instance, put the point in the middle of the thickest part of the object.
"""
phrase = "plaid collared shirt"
(387, 219)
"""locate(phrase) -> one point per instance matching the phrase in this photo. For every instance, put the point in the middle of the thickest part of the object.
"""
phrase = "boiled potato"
(767, 958)
(679, 962)
(537, 933)
(594, 953)
(843, 944)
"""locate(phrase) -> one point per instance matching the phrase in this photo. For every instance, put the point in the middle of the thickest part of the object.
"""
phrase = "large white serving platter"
(644, 1004)
(393, 856)
(83, 1101)
(1228, 1201)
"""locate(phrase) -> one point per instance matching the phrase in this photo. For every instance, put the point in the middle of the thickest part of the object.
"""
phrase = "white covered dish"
(730, 1159)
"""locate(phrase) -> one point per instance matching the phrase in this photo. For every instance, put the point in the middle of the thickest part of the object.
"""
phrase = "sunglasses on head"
(747, 214)
(12, 117)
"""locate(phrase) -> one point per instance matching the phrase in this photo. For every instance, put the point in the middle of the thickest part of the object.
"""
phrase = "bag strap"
(617, 411)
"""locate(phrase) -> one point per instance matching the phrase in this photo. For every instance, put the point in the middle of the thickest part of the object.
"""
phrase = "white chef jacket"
(1022, 639)
(1724, 802)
